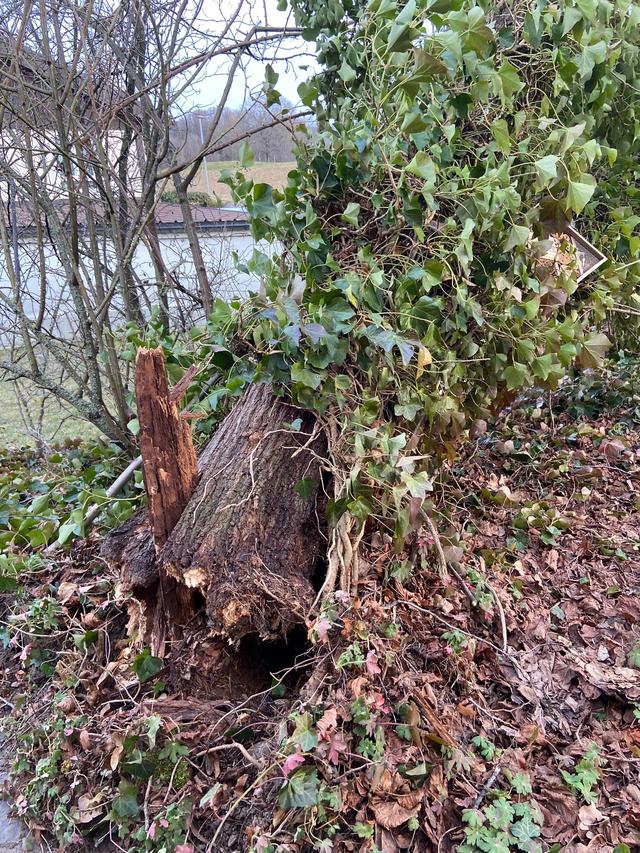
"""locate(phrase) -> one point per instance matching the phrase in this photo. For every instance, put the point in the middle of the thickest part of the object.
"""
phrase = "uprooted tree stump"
(245, 548)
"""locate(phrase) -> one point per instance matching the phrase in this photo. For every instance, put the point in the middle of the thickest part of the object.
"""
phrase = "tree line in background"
(271, 143)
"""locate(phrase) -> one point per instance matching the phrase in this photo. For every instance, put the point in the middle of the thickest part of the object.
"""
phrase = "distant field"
(56, 425)
(267, 173)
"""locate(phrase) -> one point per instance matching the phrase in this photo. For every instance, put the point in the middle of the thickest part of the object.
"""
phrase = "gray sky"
(286, 58)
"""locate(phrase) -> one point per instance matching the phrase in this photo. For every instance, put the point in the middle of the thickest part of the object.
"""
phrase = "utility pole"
(206, 165)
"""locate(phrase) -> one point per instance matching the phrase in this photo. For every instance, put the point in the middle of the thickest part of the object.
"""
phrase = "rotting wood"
(170, 473)
(169, 464)
(247, 544)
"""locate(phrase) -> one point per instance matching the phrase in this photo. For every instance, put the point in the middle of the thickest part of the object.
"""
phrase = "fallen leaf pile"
(428, 713)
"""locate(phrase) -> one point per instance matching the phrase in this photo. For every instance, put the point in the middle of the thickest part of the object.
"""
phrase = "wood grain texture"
(169, 465)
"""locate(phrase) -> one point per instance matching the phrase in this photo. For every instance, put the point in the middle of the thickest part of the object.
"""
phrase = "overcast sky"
(288, 59)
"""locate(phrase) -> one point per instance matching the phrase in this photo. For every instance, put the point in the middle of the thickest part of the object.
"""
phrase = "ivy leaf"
(418, 484)
(588, 8)
(451, 43)
(300, 789)
(67, 530)
(145, 665)
(245, 155)
(423, 167)
(125, 804)
(153, 727)
(427, 65)
(413, 122)
(579, 193)
(346, 72)
(571, 135)
(518, 236)
(351, 213)
(401, 32)
(308, 93)
(305, 487)
(546, 169)
(516, 376)
(594, 350)
(592, 55)
(307, 377)
(510, 82)
(304, 733)
(271, 75)
(500, 132)
(39, 504)
(571, 18)
(404, 348)
(315, 332)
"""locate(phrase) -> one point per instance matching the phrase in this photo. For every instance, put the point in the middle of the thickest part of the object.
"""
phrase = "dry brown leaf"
(66, 591)
(89, 808)
(114, 758)
(588, 816)
(391, 814)
(327, 723)
(358, 684)
(67, 704)
(466, 710)
(85, 740)
(619, 681)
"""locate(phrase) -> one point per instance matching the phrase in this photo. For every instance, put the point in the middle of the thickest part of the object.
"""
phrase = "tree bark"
(170, 476)
(248, 542)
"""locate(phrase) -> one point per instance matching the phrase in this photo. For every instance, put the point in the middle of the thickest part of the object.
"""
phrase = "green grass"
(58, 423)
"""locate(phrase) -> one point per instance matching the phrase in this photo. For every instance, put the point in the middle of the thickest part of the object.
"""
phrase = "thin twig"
(236, 803)
(503, 621)
(442, 560)
(234, 745)
(488, 785)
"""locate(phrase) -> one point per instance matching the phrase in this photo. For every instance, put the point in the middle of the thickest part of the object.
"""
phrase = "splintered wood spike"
(169, 463)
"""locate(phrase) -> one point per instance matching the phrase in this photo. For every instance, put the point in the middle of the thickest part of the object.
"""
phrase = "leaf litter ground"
(401, 723)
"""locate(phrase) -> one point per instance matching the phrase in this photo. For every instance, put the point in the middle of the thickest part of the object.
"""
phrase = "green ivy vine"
(454, 140)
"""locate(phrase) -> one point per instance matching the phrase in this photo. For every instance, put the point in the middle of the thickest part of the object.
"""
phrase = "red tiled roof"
(167, 215)
(171, 214)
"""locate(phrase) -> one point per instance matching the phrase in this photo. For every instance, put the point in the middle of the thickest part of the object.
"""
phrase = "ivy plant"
(424, 274)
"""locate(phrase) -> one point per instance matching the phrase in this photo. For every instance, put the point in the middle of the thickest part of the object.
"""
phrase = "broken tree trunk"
(169, 464)
(248, 543)
(247, 539)
(170, 474)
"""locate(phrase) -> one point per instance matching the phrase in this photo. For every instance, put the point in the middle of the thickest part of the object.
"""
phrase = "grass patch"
(58, 422)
